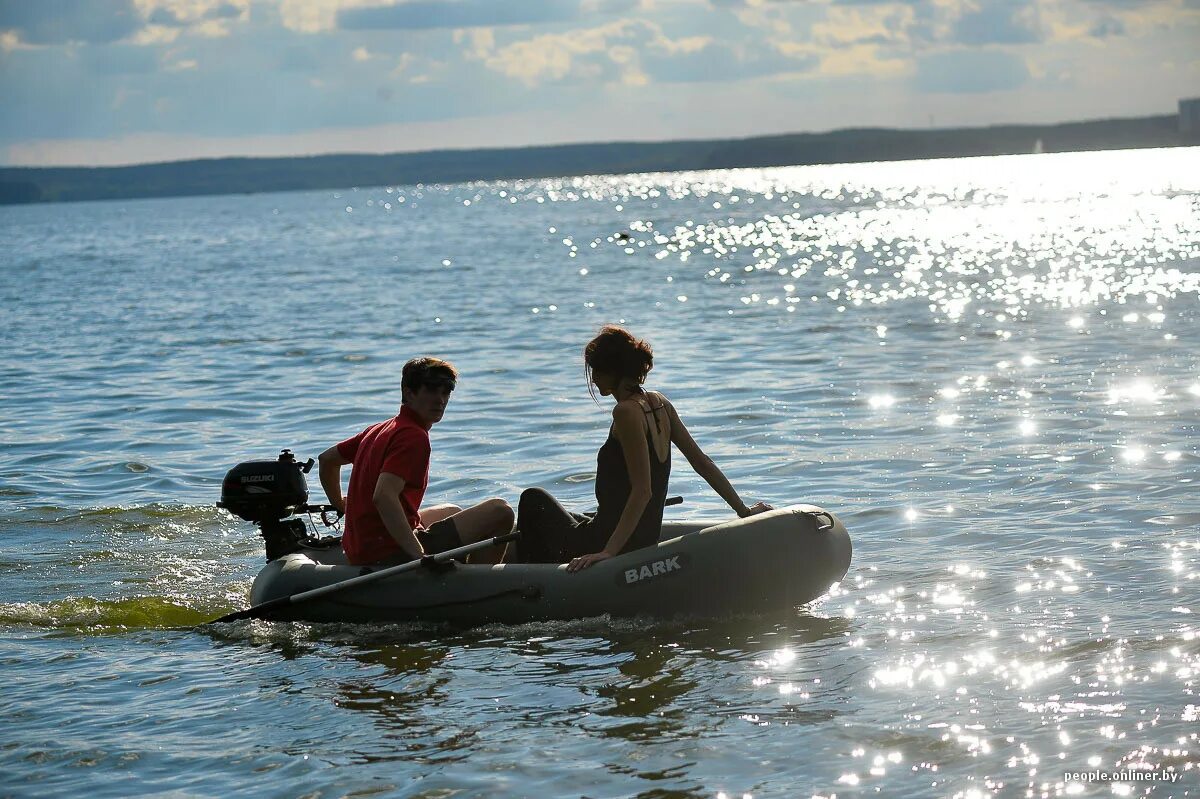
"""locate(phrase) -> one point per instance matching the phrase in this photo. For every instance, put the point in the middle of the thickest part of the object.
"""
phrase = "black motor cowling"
(266, 491)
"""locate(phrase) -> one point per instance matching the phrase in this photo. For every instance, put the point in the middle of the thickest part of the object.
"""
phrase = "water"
(987, 367)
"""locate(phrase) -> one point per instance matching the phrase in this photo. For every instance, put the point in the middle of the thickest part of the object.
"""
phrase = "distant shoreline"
(19, 185)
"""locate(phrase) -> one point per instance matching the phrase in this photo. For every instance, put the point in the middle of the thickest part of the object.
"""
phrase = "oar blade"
(257, 612)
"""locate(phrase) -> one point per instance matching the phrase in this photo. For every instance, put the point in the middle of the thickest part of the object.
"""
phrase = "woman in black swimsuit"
(632, 467)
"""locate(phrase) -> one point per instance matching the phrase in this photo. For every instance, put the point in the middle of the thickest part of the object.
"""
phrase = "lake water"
(987, 367)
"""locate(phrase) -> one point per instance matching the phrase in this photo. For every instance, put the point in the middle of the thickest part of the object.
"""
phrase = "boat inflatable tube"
(774, 560)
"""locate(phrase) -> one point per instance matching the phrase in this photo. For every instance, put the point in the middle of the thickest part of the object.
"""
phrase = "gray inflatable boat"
(771, 561)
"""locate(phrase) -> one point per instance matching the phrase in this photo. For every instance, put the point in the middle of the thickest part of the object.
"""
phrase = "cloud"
(970, 72)
(85, 71)
(432, 14)
(48, 22)
(999, 22)
(919, 25)
(264, 80)
(1107, 26)
(47, 95)
(298, 58)
(165, 17)
(179, 14)
(907, 28)
(1129, 4)
(637, 52)
(1112, 19)
(595, 55)
(849, 27)
(119, 59)
(223, 11)
(612, 6)
(862, 60)
(717, 61)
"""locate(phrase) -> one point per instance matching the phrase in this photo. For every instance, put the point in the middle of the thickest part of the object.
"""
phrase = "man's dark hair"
(420, 371)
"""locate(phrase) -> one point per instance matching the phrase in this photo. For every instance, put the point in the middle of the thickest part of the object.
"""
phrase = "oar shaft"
(412, 565)
(266, 607)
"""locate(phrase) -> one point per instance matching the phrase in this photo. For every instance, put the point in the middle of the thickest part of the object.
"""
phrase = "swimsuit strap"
(652, 411)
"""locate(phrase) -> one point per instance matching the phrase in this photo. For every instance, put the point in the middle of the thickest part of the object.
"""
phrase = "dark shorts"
(552, 534)
(438, 537)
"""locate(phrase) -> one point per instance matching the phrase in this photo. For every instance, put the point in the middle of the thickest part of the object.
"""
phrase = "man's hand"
(584, 561)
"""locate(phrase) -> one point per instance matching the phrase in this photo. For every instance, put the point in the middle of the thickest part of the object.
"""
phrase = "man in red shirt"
(385, 523)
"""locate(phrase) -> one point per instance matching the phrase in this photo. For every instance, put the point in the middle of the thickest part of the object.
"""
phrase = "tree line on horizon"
(251, 175)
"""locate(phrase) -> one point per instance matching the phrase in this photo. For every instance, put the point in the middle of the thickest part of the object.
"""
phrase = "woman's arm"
(628, 425)
(706, 468)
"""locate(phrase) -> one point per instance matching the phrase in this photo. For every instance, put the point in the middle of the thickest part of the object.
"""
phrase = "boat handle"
(820, 514)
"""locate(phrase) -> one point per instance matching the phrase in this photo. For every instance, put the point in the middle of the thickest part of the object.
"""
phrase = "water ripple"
(986, 366)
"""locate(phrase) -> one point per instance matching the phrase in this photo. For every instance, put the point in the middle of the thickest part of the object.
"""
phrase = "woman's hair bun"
(617, 351)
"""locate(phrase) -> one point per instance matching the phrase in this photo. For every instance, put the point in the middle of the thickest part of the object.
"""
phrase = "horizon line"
(569, 144)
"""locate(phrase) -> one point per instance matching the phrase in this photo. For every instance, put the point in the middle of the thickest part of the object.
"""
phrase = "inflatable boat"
(774, 560)
(770, 561)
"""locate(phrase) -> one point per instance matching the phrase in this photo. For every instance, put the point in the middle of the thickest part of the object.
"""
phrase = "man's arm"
(387, 501)
(331, 463)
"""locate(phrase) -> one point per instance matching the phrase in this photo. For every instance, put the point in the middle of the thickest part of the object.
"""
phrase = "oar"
(258, 611)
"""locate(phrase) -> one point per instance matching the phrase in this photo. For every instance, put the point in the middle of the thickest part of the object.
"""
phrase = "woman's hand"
(755, 509)
(583, 561)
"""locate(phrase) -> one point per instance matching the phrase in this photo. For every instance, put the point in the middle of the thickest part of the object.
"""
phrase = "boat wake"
(99, 615)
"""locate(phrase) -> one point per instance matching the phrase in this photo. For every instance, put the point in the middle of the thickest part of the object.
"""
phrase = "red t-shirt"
(399, 446)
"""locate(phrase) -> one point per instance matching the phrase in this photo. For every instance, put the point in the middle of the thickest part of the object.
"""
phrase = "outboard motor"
(270, 494)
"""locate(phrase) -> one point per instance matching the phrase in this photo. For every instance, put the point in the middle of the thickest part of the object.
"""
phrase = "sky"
(104, 82)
